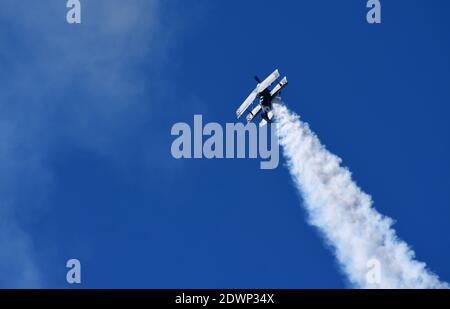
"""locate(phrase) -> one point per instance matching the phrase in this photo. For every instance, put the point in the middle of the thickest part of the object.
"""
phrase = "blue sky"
(85, 118)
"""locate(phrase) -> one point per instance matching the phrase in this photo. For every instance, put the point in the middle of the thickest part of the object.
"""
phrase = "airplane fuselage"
(265, 99)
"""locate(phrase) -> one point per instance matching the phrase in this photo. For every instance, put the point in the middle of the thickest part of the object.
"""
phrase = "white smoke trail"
(344, 214)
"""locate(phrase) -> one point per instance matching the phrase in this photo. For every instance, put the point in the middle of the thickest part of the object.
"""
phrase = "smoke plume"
(364, 242)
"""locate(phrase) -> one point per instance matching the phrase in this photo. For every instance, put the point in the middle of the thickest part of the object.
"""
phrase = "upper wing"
(268, 81)
(247, 102)
(261, 87)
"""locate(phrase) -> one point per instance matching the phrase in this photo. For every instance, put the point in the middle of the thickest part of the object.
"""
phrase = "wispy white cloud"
(83, 84)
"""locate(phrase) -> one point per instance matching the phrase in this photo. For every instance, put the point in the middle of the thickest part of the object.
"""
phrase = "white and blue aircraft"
(266, 97)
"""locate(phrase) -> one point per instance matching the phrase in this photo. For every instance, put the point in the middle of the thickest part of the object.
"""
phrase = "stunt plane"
(265, 98)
